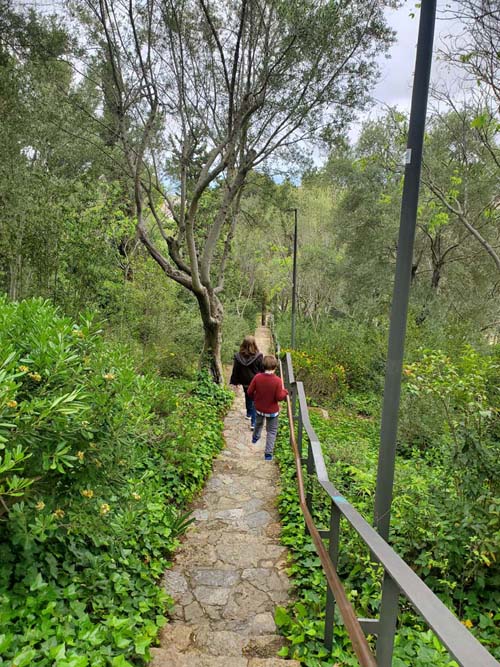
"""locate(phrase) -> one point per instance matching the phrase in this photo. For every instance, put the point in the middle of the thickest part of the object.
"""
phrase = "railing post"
(300, 432)
(294, 398)
(285, 379)
(333, 551)
(387, 623)
(310, 472)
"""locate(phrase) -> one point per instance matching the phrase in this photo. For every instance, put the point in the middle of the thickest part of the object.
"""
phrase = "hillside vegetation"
(152, 163)
(445, 516)
(97, 463)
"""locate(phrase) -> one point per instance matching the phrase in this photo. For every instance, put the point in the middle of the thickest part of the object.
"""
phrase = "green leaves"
(481, 121)
(24, 658)
(96, 484)
(449, 542)
(281, 617)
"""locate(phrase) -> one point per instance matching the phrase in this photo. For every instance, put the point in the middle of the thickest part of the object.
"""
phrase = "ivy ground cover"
(430, 530)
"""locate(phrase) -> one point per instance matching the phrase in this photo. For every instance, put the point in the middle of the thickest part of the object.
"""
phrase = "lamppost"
(399, 311)
(402, 279)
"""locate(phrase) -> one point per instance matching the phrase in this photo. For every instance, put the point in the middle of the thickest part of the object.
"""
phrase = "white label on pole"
(408, 156)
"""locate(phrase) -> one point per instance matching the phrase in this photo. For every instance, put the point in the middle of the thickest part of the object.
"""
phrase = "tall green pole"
(397, 331)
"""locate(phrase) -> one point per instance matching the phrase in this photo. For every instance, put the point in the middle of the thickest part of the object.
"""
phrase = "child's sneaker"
(247, 417)
(268, 457)
(255, 440)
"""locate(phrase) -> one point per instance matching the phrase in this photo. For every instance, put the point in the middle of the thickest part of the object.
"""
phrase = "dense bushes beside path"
(452, 550)
(445, 518)
(422, 537)
(96, 464)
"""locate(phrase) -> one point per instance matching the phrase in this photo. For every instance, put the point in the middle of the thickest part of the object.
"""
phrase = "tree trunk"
(212, 313)
(436, 275)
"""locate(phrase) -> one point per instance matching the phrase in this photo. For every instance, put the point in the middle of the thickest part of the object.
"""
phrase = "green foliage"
(325, 377)
(465, 389)
(450, 545)
(351, 351)
(97, 464)
(445, 516)
(236, 327)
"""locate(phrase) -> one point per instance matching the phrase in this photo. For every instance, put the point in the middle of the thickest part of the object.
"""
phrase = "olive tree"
(205, 92)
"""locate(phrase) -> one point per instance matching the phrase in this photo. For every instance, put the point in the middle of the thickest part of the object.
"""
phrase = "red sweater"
(266, 389)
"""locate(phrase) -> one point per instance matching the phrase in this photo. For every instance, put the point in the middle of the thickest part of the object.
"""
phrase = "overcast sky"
(395, 85)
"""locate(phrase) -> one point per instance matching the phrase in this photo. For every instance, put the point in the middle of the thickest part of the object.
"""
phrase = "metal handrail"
(398, 576)
(359, 642)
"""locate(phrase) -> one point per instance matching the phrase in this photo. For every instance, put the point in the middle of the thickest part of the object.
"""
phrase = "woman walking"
(247, 363)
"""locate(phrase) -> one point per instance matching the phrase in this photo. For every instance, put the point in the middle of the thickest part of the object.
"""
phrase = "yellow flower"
(109, 376)
(104, 509)
(80, 455)
(122, 462)
(87, 493)
(40, 505)
(23, 369)
(468, 623)
(136, 496)
(84, 423)
(36, 377)
(58, 513)
(12, 404)
(98, 463)
(77, 332)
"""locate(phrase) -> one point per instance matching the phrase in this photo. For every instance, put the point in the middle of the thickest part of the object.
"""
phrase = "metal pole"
(388, 622)
(333, 551)
(294, 283)
(392, 389)
(300, 433)
(310, 478)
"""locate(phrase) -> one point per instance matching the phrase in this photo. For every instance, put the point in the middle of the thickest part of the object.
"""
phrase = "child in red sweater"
(266, 389)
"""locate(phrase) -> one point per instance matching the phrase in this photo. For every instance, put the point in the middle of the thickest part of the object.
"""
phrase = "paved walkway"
(228, 576)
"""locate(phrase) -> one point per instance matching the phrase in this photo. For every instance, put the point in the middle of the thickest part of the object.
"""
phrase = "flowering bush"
(324, 377)
(96, 465)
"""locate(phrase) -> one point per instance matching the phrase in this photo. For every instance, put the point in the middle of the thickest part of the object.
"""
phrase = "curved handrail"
(356, 634)
(461, 644)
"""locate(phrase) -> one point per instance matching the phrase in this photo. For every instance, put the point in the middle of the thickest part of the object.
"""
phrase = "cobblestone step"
(171, 657)
(185, 637)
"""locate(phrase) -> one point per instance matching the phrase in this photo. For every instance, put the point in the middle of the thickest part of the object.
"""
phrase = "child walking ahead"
(266, 389)
(247, 362)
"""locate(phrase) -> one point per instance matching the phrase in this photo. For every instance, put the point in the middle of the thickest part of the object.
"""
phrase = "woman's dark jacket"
(244, 368)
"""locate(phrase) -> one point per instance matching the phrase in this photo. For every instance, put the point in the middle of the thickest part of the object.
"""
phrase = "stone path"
(228, 576)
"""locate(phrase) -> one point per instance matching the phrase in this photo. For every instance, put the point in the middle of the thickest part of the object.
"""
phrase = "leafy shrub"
(96, 465)
(323, 376)
(464, 392)
(358, 348)
(236, 327)
(451, 547)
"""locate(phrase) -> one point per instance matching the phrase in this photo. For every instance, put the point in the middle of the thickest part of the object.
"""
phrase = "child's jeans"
(271, 430)
(250, 407)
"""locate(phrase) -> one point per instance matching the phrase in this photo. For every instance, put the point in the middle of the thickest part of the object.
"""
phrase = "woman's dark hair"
(249, 347)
